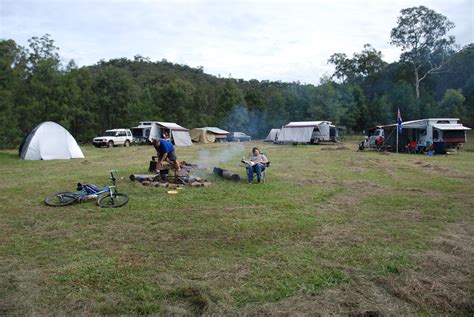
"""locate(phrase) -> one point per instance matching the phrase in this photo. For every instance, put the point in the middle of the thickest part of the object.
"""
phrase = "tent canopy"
(50, 141)
(300, 131)
(181, 138)
(216, 130)
(208, 134)
(272, 135)
(298, 124)
(172, 126)
(446, 127)
(179, 134)
(296, 134)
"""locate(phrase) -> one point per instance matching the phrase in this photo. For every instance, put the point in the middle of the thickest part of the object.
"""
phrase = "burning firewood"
(226, 174)
(169, 177)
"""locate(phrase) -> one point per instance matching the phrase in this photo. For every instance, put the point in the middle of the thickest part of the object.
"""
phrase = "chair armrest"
(267, 164)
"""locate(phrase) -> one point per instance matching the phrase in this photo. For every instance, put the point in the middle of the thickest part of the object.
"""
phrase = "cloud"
(275, 40)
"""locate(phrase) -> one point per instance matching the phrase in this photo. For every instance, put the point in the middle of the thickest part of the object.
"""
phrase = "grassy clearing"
(328, 218)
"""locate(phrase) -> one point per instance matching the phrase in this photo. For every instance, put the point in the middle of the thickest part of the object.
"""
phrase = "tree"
(366, 63)
(10, 75)
(177, 100)
(452, 104)
(421, 33)
(359, 111)
(345, 68)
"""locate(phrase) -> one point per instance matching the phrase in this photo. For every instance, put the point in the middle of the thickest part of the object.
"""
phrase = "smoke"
(228, 152)
(241, 119)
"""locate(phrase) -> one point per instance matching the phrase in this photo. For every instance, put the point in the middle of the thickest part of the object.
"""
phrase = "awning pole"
(397, 139)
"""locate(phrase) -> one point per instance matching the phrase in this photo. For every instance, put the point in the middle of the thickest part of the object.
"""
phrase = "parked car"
(114, 137)
(238, 137)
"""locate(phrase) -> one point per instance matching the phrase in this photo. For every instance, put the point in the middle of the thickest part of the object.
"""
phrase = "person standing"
(165, 151)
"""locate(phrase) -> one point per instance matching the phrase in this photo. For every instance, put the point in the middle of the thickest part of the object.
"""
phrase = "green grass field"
(332, 231)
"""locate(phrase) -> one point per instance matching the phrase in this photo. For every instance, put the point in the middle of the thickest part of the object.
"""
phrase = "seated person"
(165, 151)
(363, 144)
(379, 143)
(411, 146)
(256, 164)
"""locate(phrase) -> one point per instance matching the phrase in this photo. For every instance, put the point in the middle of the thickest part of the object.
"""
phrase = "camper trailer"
(148, 130)
(309, 132)
(442, 134)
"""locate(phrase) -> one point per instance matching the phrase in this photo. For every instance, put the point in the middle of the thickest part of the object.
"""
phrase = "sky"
(265, 40)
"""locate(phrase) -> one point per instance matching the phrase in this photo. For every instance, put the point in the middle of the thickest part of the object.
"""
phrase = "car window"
(129, 133)
(121, 133)
(110, 133)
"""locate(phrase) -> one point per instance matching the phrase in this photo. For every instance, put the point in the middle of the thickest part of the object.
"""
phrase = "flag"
(399, 121)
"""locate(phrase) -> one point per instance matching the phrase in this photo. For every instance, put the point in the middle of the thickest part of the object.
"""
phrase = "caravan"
(440, 134)
(310, 132)
(148, 130)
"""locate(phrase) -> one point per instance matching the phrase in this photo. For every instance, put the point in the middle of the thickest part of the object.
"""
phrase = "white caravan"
(311, 132)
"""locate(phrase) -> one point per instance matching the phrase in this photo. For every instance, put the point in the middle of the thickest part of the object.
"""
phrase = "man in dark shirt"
(165, 151)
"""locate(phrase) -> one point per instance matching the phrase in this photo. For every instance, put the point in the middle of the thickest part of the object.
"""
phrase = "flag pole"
(399, 125)
(397, 138)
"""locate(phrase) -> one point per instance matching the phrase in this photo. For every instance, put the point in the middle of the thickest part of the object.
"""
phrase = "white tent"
(179, 135)
(50, 141)
(272, 135)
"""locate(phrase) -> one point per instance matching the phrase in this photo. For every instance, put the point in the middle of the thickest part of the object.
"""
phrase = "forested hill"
(363, 91)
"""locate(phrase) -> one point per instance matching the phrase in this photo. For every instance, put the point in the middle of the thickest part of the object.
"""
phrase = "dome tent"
(50, 141)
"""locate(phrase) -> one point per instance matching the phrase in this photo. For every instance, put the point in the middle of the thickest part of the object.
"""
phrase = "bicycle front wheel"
(61, 199)
(113, 201)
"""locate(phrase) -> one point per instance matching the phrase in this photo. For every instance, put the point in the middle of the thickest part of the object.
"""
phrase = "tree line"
(433, 78)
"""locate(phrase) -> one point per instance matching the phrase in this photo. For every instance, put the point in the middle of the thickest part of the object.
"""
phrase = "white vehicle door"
(121, 136)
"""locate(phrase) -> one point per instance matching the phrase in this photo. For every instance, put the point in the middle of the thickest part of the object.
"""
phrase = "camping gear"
(272, 135)
(50, 141)
(111, 199)
(208, 135)
(153, 164)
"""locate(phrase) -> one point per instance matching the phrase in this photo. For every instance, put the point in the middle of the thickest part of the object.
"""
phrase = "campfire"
(167, 176)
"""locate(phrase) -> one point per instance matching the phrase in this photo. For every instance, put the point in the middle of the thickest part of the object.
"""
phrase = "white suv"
(114, 137)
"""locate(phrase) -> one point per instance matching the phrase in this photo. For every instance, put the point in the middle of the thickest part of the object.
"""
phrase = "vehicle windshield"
(110, 133)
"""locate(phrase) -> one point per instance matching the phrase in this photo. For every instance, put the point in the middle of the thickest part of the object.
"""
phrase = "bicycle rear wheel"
(61, 199)
(112, 201)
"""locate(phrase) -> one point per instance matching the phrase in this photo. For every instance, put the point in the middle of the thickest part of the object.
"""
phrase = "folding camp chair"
(264, 172)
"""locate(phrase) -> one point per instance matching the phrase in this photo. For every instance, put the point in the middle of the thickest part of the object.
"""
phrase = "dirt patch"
(443, 278)
(19, 288)
(444, 170)
(359, 297)
(356, 169)
(442, 282)
(336, 148)
(338, 235)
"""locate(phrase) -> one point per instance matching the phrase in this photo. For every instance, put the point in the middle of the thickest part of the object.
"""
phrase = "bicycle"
(111, 199)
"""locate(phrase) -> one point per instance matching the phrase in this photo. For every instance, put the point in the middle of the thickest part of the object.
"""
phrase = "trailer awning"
(450, 127)
(296, 134)
(216, 130)
(181, 138)
(172, 126)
